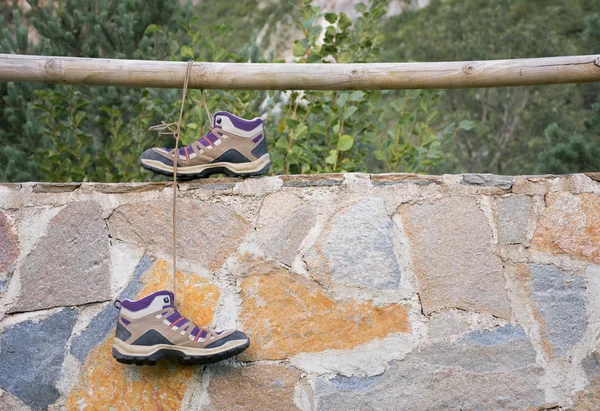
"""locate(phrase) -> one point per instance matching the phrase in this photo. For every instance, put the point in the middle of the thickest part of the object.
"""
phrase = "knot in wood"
(469, 69)
(54, 68)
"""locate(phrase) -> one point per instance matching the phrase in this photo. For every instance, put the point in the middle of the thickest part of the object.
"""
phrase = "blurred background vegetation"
(67, 133)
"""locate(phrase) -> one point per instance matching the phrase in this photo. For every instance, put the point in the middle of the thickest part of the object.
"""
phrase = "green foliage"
(507, 123)
(567, 153)
(71, 152)
(97, 133)
(351, 130)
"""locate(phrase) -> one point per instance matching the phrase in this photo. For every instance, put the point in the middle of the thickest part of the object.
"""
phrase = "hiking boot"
(151, 329)
(234, 146)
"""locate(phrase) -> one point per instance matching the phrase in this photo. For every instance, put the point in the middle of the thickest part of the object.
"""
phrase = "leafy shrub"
(97, 133)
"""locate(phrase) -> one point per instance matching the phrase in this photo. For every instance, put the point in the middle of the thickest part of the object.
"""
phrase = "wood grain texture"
(252, 76)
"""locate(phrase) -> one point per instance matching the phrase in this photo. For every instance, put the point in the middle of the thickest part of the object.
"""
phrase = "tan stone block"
(451, 247)
(256, 387)
(286, 314)
(69, 264)
(283, 223)
(570, 225)
(207, 233)
(105, 383)
(530, 185)
(250, 264)
(9, 245)
(588, 399)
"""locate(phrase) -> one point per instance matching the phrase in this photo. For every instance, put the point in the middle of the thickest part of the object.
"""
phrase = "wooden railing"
(251, 76)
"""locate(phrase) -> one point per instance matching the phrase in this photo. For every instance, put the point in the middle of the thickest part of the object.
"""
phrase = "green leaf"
(299, 50)
(331, 17)
(319, 129)
(291, 123)
(467, 125)
(174, 46)
(300, 132)
(336, 128)
(379, 155)
(345, 57)
(344, 21)
(186, 51)
(342, 99)
(349, 111)
(332, 157)
(397, 104)
(345, 142)
(357, 95)
(221, 54)
(153, 28)
(223, 29)
(360, 7)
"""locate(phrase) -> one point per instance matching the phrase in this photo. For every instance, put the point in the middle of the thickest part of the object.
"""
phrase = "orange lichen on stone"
(105, 384)
(286, 314)
(570, 225)
(195, 299)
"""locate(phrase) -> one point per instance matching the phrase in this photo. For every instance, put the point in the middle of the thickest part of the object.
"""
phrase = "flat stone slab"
(70, 264)
(485, 370)
(31, 358)
(559, 299)
(570, 224)
(513, 219)
(261, 386)
(206, 233)
(283, 223)
(9, 245)
(451, 246)
(286, 314)
(357, 248)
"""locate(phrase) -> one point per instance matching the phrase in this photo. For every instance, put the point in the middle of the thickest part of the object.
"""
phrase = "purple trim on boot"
(174, 317)
(211, 137)
(195, 331)
(238, 122)
(125, 321)
(203, 333)
(257, 138)
(146, 301)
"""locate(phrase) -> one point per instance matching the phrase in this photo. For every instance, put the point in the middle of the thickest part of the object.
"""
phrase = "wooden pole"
(249, 76)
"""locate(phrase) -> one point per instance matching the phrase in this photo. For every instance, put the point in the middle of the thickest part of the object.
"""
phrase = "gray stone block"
(31, 357)
(103, 323)
(358, 246)
(451, 246)
(70, 264)
(487, 370)
(488, 180)
(513, 219)
(559, 299)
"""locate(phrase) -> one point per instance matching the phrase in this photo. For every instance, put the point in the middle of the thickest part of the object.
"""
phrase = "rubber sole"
(217, 169)
(179, 356)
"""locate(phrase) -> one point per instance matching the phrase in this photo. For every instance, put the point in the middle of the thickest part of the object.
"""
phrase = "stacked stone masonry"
(370, 292)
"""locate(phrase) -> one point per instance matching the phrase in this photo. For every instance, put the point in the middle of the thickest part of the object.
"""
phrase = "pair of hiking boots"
(151, 328)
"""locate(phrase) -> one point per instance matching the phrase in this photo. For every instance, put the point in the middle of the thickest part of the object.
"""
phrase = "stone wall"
(358, 292)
